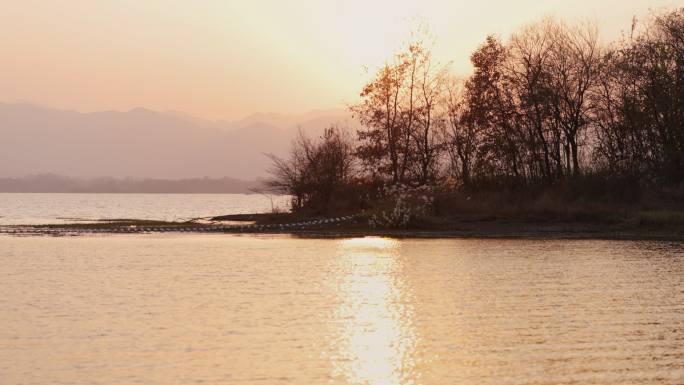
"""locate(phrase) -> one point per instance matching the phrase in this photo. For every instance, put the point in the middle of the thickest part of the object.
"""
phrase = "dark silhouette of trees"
(460, 133)
(315, 169)
(425, 132)
(575, 69)
(529, 99)
(529, 57)
(548, 106)
(640, 103)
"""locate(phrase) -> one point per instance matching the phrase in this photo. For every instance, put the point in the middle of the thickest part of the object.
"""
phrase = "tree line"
(550, 104)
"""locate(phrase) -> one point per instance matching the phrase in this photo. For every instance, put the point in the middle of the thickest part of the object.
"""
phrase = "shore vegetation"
(551, 126)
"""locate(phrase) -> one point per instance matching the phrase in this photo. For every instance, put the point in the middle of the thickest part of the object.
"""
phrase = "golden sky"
(224, 59)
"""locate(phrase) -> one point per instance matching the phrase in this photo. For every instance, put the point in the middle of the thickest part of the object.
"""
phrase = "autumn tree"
(382, 148)
(399, 107)
(543, 107)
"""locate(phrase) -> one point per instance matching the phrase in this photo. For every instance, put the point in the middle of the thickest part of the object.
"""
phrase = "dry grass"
(660, 219)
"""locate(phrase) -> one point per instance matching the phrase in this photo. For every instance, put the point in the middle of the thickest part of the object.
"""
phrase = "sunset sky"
(227, 59)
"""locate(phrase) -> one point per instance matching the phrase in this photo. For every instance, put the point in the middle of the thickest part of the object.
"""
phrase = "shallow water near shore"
(50, 208)
(179, 309)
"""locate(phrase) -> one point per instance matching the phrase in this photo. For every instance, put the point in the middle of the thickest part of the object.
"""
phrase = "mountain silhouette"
(142, 143)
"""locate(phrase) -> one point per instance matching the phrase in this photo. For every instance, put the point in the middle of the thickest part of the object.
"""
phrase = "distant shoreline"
(58, 184)
(132, 192)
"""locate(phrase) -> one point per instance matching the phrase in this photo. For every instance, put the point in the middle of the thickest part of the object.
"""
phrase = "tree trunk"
(575, 160)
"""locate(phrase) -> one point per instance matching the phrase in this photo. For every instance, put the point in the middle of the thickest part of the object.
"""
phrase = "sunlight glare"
(377, 338)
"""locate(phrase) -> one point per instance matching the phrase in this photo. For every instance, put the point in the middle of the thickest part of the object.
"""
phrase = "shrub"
(406, 205)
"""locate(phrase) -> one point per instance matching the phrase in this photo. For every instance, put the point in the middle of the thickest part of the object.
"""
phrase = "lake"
(227, 309)
(26, 209)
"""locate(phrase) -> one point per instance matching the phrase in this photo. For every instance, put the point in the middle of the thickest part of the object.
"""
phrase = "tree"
(424, 117)
(528, 72)
(315, 170)
(529, 101)
(399, 138)
(460, 132)
(574, 71)
(640, 103)
(490, 111)
(382, 149)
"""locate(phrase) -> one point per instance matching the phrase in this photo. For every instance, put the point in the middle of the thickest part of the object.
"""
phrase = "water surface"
(215, 309)
(45, 208)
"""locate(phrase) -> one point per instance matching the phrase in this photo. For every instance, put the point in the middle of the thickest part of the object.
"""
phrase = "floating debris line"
(190, 228)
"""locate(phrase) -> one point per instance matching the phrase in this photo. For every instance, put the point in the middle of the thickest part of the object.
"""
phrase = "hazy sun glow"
(227, 59)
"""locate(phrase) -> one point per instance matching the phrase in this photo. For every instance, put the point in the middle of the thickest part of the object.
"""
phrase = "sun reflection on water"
(375, 338)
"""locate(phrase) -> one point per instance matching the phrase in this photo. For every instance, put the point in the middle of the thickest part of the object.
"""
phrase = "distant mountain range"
(50, 183)
(141, 143)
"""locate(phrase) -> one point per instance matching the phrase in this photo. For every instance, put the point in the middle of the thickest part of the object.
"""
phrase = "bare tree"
(423, 113)
(460, 132)
(315, 169)
(639, 104)
(574, 69)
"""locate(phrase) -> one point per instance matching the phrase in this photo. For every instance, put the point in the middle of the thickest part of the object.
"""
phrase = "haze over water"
(46, 208)
(277, 310)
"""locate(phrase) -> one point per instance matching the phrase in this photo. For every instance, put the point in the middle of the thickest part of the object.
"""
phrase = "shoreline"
(412, 234)
(272, 224)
